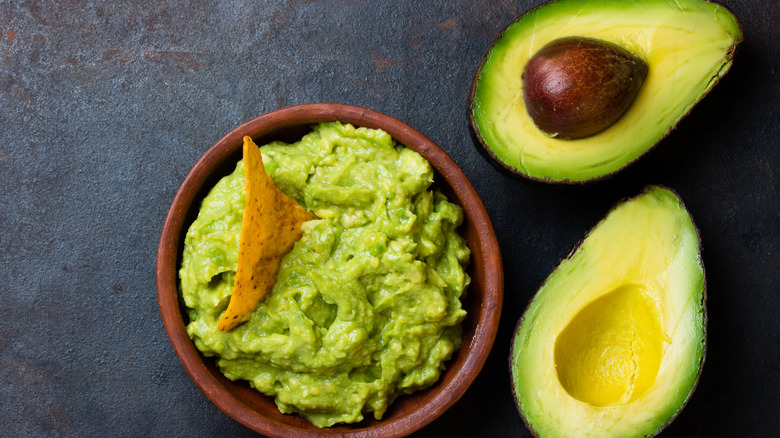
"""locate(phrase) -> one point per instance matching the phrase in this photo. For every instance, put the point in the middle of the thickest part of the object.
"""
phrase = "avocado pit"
(575, 87)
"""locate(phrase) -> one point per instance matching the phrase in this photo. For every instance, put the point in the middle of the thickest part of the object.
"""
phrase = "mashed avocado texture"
(367, 304)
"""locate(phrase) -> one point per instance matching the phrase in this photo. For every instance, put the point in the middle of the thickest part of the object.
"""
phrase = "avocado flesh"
(687, 45)
(613, 342)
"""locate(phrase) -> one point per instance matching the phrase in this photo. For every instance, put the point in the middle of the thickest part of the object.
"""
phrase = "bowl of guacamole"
(385, 309)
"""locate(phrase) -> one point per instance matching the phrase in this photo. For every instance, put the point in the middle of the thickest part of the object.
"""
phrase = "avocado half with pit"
(686, 46)
(614, 341)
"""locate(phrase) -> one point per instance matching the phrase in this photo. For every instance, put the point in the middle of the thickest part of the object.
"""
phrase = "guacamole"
(366, 306)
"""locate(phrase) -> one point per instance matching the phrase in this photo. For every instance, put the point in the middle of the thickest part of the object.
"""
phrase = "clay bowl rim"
(484, 299)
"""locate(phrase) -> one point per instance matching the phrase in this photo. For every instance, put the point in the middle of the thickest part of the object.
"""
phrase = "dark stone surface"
(106, 105)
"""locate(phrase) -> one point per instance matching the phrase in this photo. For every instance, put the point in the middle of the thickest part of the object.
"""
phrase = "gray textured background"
(104, 107)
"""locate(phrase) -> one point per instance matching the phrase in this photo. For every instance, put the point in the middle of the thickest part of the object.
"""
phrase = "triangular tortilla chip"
(271, 226)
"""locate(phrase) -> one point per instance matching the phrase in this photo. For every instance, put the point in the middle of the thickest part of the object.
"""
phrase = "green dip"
(366, 306)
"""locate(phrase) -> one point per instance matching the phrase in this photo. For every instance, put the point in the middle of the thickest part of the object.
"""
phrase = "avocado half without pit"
(576, 90)
(613, 342)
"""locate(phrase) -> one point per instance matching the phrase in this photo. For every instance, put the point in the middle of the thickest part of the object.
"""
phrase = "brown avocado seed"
(575, 87)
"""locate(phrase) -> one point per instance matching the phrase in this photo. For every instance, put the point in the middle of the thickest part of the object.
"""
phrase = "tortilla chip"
(271, 226)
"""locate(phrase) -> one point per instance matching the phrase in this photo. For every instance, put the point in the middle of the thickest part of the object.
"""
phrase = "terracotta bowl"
(483, 300)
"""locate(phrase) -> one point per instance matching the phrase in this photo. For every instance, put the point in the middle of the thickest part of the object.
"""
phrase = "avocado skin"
(571, 253)
(485, 150)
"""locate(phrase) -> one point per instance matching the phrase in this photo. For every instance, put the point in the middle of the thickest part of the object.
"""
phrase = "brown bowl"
(482, 302)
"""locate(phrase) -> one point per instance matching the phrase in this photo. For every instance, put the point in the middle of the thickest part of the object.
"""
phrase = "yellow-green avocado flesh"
(688, 46)
(613, 343)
